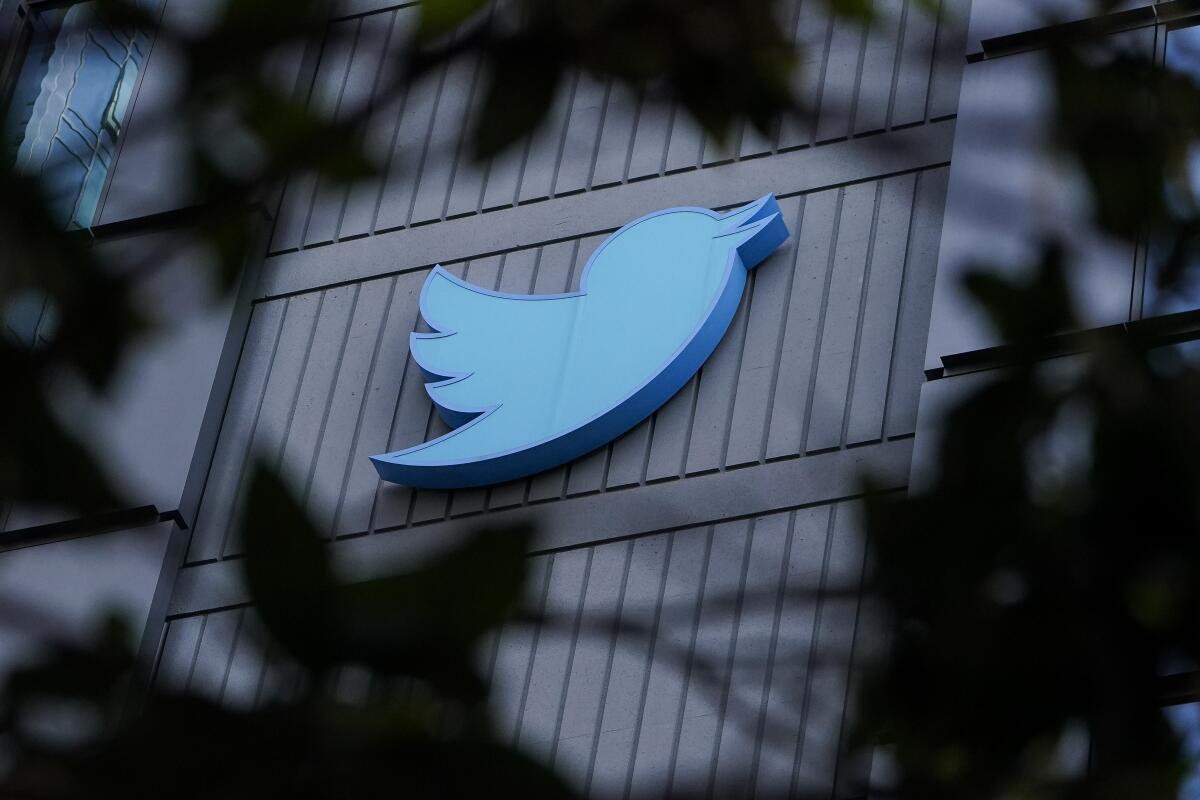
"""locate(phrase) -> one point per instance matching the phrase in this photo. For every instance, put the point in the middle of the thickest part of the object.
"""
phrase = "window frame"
(1166, 25)
(23, 19)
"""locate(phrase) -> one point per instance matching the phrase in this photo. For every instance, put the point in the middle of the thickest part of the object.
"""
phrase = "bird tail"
(754, 230)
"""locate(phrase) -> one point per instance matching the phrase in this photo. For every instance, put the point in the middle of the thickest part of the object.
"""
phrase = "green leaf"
(427, 622)
(41, 463)
(863, 10)
(439, 17)
(287, 571)
(294, 136)
(523, 82)
(424, 623)
(266, 21)
(499, 772)
(88, 681)
(1026, 310)
(125, 14)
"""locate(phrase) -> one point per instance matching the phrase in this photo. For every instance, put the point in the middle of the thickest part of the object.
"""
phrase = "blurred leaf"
(317, 750)
(70, 685)
(428, 622)
(242, 18)
(233, 241)
(287, 571)
(523, 77)
(425, 623)
(95, 307)
(439, 17)
(296, 136)
(853, 9)
(1024, 311)
(41, 464)
(1122, 151)
(127, 14)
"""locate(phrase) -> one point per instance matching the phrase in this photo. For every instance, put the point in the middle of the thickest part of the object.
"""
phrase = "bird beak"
(740, 218)
(754, 231)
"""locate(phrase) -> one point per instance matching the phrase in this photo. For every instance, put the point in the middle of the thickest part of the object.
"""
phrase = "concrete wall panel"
(856, 81)
(807, 366)
(723, 528)
(728, 676)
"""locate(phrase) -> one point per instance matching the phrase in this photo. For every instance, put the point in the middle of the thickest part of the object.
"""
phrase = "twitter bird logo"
(529, 382)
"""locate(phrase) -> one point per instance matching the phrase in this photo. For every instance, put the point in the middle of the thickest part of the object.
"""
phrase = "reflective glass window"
(1182, 55)
(69, 103)
(1185, 719)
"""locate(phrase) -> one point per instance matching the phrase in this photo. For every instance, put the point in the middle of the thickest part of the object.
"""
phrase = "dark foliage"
(1043, 588)
(70, 732)
(80, 723)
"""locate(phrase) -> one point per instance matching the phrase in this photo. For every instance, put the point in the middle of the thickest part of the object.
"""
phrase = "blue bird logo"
(529, 382)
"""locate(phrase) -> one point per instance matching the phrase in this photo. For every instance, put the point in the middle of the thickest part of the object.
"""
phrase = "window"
(68, 104)
(1185, 719)
(1181, 54)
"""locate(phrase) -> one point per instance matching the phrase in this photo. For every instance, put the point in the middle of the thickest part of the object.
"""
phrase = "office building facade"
(725, 524)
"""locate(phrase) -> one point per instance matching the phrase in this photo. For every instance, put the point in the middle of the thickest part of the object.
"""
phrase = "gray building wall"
(1002, 217)
(58, 590)
(725, 525)
(154, 427)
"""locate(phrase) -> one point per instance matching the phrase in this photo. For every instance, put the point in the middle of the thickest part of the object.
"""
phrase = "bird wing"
(488, 349)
